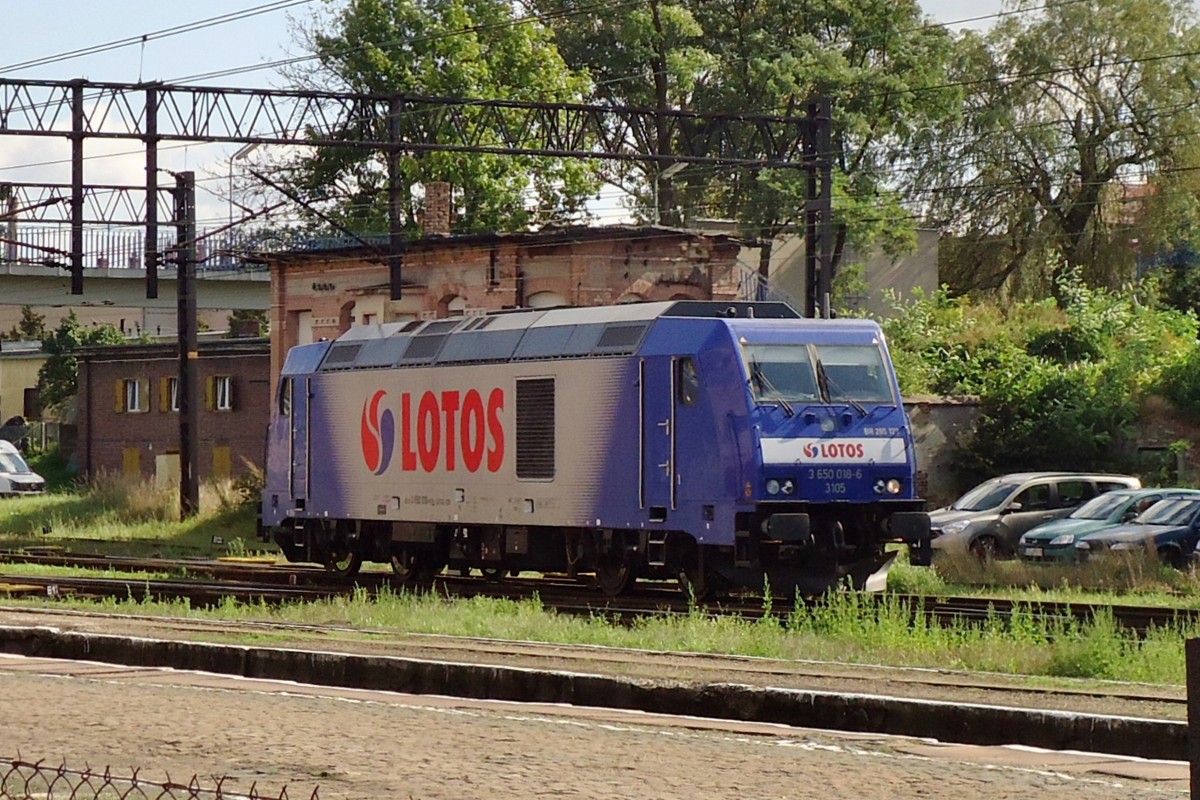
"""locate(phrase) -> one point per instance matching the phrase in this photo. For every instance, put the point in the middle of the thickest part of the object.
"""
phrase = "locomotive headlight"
(893, 486)
(788, 486)
(772, 486)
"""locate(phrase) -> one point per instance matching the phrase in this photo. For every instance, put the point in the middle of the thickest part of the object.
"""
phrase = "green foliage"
(458, 48)
(1061, 108)
(55, 468)
(1059, 388)
(58, 377)
(248, 315)
(31, 328)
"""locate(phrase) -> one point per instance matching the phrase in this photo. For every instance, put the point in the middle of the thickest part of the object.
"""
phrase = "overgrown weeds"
(846, 627)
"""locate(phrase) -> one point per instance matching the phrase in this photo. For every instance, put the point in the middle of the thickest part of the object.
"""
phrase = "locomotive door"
(299, 438)
(658, 436)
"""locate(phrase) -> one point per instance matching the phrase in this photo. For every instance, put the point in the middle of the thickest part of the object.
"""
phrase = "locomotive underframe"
(790, 547)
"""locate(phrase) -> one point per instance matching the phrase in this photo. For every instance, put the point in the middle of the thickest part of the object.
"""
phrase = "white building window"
(133, 396)
(223, 385)
(173, 394)
(218, 393)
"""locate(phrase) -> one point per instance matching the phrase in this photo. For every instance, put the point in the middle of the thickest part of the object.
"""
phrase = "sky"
(212, 37)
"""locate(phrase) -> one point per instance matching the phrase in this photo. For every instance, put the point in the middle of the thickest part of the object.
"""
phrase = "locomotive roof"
(519, 335)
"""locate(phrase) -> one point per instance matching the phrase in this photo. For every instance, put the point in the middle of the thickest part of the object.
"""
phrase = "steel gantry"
(153, 112)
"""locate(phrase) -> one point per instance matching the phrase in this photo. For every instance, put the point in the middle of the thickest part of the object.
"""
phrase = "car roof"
(8, 447)
(1028, 476)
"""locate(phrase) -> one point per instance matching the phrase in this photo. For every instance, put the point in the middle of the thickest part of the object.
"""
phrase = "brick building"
(322, 291)
(129, 412)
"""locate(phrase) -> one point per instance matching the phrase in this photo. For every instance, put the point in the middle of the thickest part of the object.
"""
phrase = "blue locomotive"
(717, 444)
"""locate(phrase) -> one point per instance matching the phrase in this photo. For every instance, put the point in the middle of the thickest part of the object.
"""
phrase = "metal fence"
(26, 780)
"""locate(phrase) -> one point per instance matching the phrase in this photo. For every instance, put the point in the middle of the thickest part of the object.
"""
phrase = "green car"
(1055, 541)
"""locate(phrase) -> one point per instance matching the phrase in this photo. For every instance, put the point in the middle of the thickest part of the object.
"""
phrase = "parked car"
(1170, 528)
(989, 519)
(16, 477)
(1055, 541)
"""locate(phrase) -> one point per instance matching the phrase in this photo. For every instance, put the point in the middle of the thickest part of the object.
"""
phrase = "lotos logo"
(448, 431)
(378, 434)
(852, 450)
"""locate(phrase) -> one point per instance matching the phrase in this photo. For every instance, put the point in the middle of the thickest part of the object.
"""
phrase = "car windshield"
(11, 462)
(1101, 507)
(844, 374)
(1178, 511)
(985, 496)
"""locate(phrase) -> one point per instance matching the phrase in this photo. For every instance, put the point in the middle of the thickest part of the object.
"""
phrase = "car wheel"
(986, 548)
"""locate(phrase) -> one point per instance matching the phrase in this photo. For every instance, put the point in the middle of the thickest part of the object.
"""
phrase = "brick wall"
(114, 439)
(589, 267)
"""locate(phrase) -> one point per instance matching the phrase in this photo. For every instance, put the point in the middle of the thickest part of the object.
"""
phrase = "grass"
(848, 629)
(115, 516)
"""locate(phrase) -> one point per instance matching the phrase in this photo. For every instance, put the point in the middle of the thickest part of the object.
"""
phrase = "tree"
(31, 328)
(883, 68)
(58, 377)
(1067, 102)
(443, 48)
(256, 316)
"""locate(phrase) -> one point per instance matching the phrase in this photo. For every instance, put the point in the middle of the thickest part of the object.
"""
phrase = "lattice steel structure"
(152, 112)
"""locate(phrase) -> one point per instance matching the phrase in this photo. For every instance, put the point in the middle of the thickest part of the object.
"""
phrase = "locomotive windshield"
(818, 373)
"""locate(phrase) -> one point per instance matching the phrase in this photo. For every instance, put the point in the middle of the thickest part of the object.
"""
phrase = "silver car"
(989, 519)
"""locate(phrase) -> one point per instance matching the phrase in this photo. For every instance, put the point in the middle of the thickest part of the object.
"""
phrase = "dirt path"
(349, 743)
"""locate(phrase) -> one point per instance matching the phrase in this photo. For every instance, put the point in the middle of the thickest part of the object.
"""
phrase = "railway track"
(205, 582)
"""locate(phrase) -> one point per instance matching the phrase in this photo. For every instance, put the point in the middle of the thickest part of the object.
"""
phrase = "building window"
(132, 396)
(218, 393)
(169, 394)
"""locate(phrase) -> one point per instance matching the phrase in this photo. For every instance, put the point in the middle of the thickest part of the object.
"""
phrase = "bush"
(1059, 387)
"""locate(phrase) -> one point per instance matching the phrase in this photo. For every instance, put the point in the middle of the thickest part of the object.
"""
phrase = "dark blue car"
(1170, 528)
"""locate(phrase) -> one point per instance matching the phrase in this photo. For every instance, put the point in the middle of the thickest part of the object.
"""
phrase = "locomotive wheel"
(406, 566)
(344, 563)
(415, 566)
(493, 573)
(614, 573)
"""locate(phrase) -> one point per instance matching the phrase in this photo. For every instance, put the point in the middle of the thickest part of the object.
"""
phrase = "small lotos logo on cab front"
(378, 434)
(834, 450)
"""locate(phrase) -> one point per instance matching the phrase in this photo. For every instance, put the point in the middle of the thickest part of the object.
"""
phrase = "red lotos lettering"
(429, 432)
(495, 455)
(472, 433)
(408, 457)
(450, 408)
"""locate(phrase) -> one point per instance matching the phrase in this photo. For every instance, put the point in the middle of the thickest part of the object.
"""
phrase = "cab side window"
(689, 381)
(1035, 498)
(1074, 493)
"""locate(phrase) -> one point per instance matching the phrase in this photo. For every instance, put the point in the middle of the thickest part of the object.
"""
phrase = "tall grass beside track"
(848, 629)
(115, 516)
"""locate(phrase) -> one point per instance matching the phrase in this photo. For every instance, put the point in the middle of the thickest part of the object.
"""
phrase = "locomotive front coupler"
(793, 528)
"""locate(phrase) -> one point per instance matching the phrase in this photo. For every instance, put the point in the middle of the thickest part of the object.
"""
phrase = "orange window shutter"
(120, 396)
(222, 462)
(164, 394)
(210, 393)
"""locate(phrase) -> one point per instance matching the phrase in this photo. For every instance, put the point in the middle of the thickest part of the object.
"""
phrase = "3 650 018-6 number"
(835, 474)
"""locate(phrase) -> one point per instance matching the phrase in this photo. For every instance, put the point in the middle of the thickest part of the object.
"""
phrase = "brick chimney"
(437, 208)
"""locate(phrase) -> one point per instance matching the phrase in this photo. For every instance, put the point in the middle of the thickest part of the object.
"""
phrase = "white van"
(16, 477)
